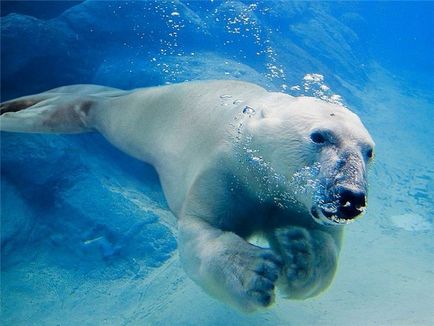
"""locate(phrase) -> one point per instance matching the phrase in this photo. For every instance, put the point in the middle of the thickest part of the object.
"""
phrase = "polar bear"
(235, 161)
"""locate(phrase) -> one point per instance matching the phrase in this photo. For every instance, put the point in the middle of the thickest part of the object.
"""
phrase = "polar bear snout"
(344, 206)
(352, 202)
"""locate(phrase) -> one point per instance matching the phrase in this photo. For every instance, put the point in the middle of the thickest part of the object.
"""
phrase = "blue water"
(86, 234)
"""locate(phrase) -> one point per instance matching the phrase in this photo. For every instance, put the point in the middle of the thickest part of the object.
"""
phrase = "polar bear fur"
(234, 161)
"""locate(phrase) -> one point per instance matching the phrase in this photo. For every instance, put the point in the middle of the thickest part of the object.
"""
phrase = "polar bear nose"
(351, 202)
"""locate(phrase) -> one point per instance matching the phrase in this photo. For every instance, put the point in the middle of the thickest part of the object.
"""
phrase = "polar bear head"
(317, 152)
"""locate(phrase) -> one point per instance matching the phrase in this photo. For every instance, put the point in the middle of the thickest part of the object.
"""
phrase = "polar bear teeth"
(330, 210)
(338, 220)
(347, 204)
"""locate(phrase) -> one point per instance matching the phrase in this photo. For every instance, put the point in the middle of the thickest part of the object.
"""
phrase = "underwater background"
(86, 234)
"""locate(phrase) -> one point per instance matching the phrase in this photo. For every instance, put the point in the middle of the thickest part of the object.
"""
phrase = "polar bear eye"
(370, 153)
(317, 137)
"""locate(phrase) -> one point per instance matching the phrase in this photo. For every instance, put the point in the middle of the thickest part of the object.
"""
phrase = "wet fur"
(191, 140)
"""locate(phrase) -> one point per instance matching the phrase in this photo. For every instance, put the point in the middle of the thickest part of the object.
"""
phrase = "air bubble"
(225, 96)
(249, 110)
(256, 159)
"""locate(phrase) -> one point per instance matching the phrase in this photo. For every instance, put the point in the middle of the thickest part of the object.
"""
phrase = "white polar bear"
(234, 161)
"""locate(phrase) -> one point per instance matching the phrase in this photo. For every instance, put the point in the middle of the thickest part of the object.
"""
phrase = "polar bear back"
(177, 125)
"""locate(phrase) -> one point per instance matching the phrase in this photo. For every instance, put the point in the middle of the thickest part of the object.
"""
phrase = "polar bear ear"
(276, 102)
(265, 113)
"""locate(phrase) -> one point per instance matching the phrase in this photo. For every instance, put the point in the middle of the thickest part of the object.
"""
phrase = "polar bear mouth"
(341, 204)
(325, 215)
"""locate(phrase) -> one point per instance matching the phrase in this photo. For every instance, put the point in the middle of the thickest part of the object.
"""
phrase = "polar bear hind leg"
(61, 110)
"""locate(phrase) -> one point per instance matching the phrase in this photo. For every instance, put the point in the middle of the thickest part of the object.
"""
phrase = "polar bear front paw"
(249, 276)
(259, 278)
(296, 248)
(310, 259)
